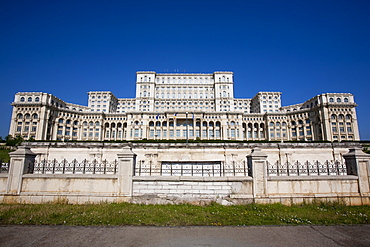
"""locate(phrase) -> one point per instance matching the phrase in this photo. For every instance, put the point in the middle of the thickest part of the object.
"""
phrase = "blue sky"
(300, 48)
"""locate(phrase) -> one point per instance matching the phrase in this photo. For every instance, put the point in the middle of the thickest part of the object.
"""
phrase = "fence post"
(257, 164)
(358, 163)
(126, 163)
(21, 161)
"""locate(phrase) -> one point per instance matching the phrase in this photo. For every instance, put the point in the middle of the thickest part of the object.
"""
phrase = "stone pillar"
(258, 167)
(21, 161)
(358, 163)
(126, 162)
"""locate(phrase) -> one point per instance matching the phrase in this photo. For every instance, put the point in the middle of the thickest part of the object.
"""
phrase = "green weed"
(119, 214)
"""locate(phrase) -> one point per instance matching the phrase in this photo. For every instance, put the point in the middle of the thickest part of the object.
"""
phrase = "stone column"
(126, 159)
(358, 163)
(257, 165)
(21, 161)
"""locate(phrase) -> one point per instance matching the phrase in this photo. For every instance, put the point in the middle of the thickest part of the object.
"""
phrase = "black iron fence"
(306, 168)
(4, 166)
(201, 169)
(74, 167)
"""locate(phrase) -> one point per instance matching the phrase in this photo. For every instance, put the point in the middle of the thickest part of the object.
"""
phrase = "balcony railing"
(197, 169)
(74, 167)
(306, 168)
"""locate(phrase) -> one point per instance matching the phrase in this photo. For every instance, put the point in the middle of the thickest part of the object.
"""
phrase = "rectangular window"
(191, 133)
(151, 133)
(232, 133)
(217, 133)
(211, 133)
(178, 133)
(164, 133)
(204, 133)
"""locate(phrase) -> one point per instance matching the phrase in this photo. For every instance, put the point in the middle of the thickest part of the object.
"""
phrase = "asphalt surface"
(358, 235)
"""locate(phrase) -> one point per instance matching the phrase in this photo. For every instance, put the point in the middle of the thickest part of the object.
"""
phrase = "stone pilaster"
(257, 165)
(21, 162)
(126, 163)
(358, 163)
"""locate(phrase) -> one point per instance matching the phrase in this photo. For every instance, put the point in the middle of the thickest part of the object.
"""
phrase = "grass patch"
(119, 214)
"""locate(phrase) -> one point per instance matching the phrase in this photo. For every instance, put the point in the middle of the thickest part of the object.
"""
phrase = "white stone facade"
(185, 106)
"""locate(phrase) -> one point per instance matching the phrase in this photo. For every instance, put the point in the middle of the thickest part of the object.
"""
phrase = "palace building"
(172, 106)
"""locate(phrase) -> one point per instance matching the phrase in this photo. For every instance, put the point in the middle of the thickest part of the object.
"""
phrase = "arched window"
(35, 116)
(341, 116)
(346, 100)
(339, 100)
(27, 116)
(348, 116)
(333, 116)
(331, 100)
(29, 99)
(75, 122)
(151, 123)
(37, 99)
(22, 99)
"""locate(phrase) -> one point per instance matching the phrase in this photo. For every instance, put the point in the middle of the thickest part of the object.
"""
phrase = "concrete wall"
(253, 186)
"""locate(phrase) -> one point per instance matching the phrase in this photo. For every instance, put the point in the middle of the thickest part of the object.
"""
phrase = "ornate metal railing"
(74, 167)
(4, 167)
(197, 169)
(314, 168)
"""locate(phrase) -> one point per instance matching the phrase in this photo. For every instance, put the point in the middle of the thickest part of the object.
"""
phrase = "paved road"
(185, 236)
